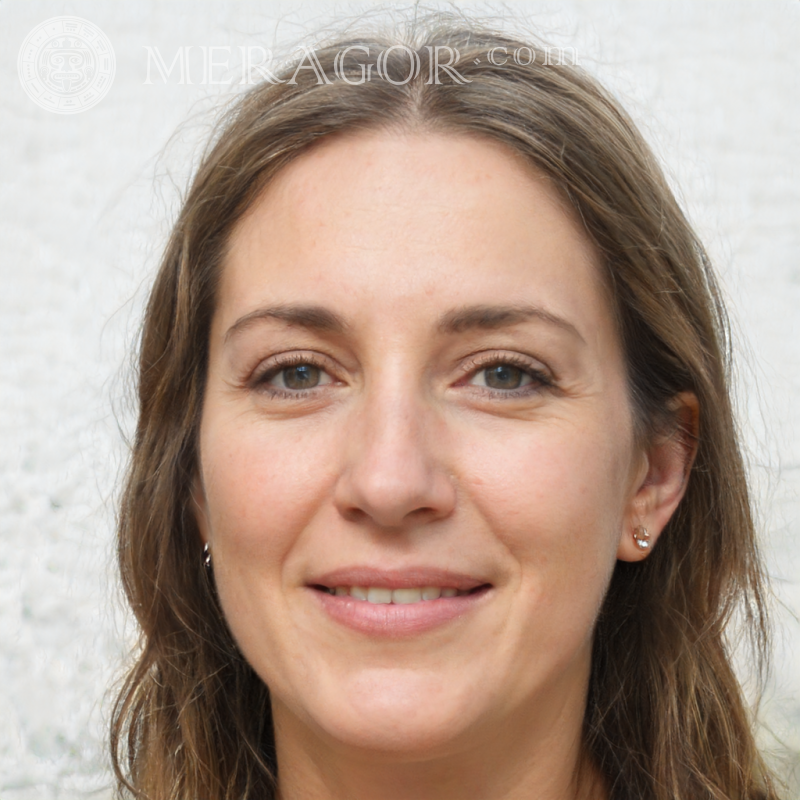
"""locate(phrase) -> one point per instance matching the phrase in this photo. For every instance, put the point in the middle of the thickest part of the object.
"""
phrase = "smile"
(405, 596)
(397, 608)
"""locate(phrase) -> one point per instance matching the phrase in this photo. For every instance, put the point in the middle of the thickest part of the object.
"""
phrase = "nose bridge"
(394, 469)
(392, 418)
(395, 421)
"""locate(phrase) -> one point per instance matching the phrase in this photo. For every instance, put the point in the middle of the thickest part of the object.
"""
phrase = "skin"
(407, 453)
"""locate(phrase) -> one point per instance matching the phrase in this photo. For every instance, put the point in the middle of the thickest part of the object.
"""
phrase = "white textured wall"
(84, 202)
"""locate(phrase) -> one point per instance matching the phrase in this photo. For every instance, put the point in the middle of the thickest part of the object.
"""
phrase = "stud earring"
(206, 556)
(641, 537)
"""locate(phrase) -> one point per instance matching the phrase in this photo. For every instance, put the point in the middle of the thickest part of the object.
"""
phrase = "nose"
(394, 474)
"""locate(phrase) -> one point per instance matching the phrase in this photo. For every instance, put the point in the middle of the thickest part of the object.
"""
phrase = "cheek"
(555, 499)
(263, 486)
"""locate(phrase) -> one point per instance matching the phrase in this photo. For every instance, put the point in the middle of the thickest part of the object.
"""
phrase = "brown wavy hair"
(665, 718)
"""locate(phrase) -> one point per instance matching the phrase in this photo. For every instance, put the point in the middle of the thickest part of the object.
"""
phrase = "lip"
(392, 620)
(407, 578)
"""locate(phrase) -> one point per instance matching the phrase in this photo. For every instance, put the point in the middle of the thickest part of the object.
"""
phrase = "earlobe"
(668, 464)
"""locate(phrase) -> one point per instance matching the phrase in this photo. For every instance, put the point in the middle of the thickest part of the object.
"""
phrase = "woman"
(436, 489)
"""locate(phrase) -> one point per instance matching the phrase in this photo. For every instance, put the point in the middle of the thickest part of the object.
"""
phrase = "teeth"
(380, 595)
(406, 595)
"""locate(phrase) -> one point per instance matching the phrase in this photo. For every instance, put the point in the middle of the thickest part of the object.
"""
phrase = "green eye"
(509, 377)
(293, 377)
(504, 376)
(302, 376)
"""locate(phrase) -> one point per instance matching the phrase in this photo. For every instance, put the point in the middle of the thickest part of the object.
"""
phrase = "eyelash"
(261, 381)
(540, 380)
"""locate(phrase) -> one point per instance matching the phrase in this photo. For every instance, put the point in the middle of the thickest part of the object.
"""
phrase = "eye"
(510, 376)
(303, 376)
(292, 376)
(504, 376)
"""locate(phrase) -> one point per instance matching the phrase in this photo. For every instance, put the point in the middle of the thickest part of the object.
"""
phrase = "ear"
(662, 478)
(200, 507)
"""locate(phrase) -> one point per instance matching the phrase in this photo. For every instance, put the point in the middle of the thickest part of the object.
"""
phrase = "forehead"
(383, 222)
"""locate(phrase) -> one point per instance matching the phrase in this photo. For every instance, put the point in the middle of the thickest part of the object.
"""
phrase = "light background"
(85, 202)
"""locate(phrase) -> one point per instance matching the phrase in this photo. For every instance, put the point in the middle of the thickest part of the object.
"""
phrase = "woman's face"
(415, 390)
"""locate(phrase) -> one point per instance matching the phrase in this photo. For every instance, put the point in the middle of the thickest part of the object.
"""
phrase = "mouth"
(397, 603)
(382, 595)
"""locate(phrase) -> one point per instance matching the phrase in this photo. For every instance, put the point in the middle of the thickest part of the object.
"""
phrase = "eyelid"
(530, 365)
(273, 366)
(537, 371)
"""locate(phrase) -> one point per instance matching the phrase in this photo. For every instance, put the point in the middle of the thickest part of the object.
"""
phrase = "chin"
(399, 711)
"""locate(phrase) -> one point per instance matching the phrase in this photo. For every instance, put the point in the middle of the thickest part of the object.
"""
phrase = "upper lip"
(406, 578)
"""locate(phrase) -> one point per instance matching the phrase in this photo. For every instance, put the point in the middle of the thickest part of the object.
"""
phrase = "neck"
(547, 762)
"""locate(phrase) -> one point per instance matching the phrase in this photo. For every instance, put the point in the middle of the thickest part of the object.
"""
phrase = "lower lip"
(393, 620)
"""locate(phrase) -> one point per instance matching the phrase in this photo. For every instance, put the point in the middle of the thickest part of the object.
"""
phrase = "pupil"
(504, 377)
(302, 376)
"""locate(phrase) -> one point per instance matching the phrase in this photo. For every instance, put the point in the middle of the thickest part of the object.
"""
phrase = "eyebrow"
(476, 317)
(484, 317)
(314, 318)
